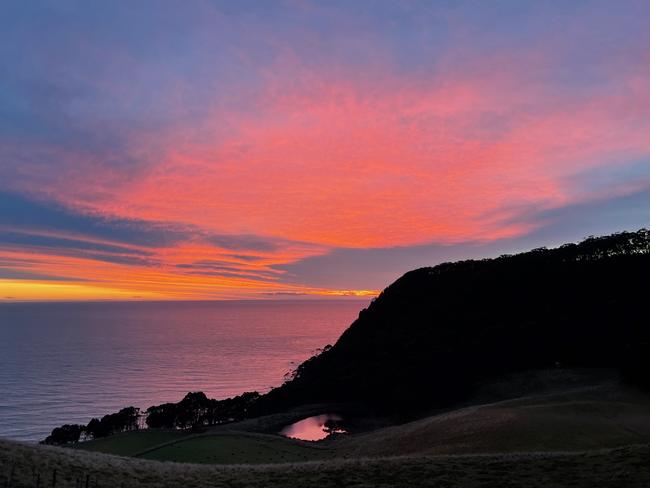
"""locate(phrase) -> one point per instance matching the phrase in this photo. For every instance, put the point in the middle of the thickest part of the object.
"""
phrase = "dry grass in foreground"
(615, 468)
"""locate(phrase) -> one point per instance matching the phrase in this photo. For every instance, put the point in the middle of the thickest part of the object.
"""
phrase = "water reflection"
(314, 428)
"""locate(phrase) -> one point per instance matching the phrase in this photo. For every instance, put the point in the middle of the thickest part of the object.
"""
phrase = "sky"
(263, 149)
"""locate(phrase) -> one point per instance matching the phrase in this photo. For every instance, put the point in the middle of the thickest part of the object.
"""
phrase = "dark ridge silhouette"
(435, 332)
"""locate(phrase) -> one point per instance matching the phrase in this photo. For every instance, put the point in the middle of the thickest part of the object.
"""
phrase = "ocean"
(68, 362)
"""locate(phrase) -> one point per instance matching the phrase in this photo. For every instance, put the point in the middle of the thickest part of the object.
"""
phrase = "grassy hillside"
(591, 417)
(130, 443)
(237, 448)
(614, 468)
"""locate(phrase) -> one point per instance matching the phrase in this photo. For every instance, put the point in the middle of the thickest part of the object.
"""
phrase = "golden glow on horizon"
(41, 290)
(30, 290)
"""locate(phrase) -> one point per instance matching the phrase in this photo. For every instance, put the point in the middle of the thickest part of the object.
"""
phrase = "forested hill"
(435, 332)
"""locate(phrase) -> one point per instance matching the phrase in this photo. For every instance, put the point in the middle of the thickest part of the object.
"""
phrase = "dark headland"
(525, 370)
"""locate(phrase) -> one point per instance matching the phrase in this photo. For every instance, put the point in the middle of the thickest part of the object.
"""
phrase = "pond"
(314, 428)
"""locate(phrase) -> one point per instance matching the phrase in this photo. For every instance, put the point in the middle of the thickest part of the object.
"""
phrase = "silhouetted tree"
(161, 416)
(96, 428)
(191, 410)
(124, 420)
(66, 434)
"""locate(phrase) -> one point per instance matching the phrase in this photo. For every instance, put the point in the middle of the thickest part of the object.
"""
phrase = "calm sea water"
(69, 362)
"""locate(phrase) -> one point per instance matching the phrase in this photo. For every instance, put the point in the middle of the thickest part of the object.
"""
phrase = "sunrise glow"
(205, 152)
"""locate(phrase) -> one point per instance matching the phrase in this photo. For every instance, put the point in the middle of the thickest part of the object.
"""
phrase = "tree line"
(194, 411)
